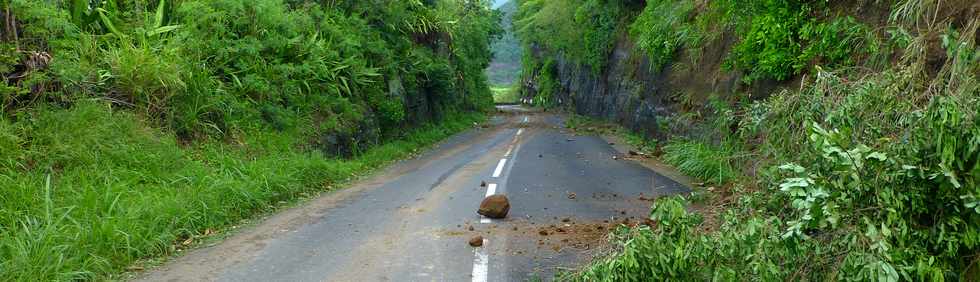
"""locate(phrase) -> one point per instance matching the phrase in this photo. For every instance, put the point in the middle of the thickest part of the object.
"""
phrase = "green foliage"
(88, 191)
(210, 68)
(831, 44)
(704, 161)
(770, 46)
(548, 85)
(134, 125)
(873, 178)
(507, 51)
(662, 28)
(505, 94)
(600, 19)
(782, 38)
(581, 31)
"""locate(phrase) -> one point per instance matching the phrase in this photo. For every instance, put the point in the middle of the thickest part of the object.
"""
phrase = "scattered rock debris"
(571, 195)
(476, 241)
(495, 206)
(483, 184)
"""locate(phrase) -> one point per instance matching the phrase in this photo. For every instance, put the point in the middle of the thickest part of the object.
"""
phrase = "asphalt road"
(412, 221)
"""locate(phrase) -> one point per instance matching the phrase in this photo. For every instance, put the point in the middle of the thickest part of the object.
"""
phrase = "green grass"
(704, 161)
(504, 94)
(88, 191)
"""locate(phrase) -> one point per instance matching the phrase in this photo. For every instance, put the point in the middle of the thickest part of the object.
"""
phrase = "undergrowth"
(867, 179)
(89, 191)
(702, 160)
(128, 127)
(866, 170)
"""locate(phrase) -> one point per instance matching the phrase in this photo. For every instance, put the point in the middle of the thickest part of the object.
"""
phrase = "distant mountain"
(506, 64)
(498, 3)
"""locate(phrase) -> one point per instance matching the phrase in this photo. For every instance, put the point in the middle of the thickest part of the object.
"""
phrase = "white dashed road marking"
(481, 261)
(481, 264)
(491, 189)
(500, 168)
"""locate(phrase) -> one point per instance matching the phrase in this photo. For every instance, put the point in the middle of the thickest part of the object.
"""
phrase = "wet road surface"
(412, 221)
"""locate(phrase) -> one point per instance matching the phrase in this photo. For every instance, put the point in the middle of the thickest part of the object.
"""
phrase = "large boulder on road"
(495, 206)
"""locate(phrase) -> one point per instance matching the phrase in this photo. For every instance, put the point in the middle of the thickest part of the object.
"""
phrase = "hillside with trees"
(836, 140)
(129, 127)
(506, 64)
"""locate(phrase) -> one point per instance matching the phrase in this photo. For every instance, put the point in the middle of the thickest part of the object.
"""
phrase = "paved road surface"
(412, 221)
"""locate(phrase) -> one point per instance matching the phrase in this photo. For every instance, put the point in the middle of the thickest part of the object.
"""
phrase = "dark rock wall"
(625, 91)
(628, 92)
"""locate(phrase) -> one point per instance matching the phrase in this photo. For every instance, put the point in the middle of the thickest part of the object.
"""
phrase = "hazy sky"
(498, 3)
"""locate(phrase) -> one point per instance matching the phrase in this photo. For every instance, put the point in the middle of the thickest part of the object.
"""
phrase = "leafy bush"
(661, 29)
(831, 44)
(770, 47)
(782, 38)
(95, 190)
(582, 31)
(153, 122)
(299, 57)
(705, 161)
(874, 179)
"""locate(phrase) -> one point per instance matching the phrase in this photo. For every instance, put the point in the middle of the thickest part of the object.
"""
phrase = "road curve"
(412, 221)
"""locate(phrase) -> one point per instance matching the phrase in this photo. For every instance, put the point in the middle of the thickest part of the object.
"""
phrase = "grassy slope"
(118, 190)
(504, 94)
(221, 110)
(869, 170)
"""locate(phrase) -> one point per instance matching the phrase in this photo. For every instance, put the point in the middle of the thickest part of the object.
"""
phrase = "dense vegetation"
(866, 167)
(128, 128)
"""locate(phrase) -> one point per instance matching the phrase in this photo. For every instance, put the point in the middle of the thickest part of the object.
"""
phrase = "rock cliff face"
(625, 91)
(628, 92)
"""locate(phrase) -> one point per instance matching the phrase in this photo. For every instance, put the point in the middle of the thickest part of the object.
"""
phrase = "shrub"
(661, 29)
(875, 180)
(702, 160)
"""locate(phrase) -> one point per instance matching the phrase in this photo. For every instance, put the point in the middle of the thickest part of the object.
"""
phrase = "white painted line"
(481, 264)
(525, 119)
(500, 168)
(510, 149)
(519, 131)
(491, 189)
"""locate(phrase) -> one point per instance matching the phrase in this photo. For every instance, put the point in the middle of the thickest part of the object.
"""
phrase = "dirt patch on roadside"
(544, 239)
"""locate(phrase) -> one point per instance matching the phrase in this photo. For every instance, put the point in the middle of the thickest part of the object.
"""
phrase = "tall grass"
(504, 94)
(88, 191)
(705, 161)
(867, 170)
(869, 178)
